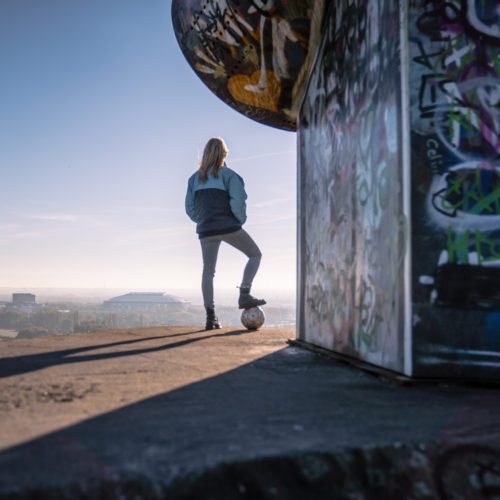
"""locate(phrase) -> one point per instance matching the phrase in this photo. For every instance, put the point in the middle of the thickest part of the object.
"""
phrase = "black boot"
(246, 301)
(212, 320)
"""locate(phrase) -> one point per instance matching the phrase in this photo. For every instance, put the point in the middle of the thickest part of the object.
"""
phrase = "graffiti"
(368, 316)
(484, 18)
(455, 127)
(455, 84)
(434, 155)
(455, 87)
(251, 53)
(353, 230)
(470, 247)
(467, 196)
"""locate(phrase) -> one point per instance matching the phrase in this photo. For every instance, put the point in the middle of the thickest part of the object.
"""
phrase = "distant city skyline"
(102, 123)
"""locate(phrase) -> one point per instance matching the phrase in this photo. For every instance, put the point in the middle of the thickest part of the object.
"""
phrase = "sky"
(102, 121)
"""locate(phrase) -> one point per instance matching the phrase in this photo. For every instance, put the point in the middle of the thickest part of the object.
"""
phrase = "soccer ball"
(253, 318)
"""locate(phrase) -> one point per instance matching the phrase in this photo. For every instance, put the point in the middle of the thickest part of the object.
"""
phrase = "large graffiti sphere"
(253, 54)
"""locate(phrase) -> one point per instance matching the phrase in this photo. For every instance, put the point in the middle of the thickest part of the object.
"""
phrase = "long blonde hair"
(214, 155)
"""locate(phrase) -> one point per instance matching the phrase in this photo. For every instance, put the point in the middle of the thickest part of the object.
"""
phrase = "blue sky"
(101, 123)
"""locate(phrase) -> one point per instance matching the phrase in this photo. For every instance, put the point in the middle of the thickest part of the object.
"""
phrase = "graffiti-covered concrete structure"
(396, 104)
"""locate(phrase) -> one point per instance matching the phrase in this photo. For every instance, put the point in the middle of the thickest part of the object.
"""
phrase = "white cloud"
(29, 234)
(55, 217)
(272, 220)
(270, 203)
(264, 155)
(8, 227)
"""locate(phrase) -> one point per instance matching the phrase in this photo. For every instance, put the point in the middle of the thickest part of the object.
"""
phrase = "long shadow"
(17, 365)
(286, 419)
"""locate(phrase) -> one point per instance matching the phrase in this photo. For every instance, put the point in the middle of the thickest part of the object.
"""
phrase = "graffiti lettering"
(351, 191)
(455, 94)
(434, 156)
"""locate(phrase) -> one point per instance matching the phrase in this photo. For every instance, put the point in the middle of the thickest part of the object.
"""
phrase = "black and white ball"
(253, 318)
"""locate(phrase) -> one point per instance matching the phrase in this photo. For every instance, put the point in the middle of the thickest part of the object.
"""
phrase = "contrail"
(265, 155)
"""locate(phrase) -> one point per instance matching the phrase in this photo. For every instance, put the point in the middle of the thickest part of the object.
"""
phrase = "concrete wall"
(352, 226)
(399, 175)
(455, 135)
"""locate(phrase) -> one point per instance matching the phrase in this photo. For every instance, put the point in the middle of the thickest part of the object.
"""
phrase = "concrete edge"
(396, 471)
(387, 374)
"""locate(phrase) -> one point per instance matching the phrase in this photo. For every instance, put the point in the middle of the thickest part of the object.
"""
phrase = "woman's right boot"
(212, 320)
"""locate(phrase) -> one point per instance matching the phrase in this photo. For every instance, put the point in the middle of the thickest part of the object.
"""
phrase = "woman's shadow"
(18, 365)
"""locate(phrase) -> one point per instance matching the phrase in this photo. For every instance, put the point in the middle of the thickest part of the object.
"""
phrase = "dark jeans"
(240, 240)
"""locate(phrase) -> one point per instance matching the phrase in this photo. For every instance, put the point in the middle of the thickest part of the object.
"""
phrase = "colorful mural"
(253, 54)
(455, 122)
(353, 231)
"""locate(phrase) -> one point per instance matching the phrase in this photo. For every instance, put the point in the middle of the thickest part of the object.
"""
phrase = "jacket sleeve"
(189, 203)
(237, 197)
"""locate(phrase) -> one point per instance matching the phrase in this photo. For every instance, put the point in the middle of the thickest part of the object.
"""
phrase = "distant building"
(144, 301)
(23, 302)
(23, 299)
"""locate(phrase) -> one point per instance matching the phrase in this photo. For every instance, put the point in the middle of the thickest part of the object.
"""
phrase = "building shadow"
(17, 365)
(290, 415)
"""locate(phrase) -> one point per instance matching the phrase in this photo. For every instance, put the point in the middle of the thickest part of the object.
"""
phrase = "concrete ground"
(175, 412)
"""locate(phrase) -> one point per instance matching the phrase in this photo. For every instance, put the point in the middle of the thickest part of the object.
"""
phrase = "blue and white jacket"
(218, 206)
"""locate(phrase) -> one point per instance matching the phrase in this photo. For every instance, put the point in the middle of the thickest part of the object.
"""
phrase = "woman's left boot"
(212, 320)
(247, 301)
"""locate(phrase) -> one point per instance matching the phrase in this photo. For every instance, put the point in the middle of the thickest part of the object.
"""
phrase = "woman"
(215, 200)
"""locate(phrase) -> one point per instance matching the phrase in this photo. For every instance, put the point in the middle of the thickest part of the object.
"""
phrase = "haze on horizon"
(102, 123)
